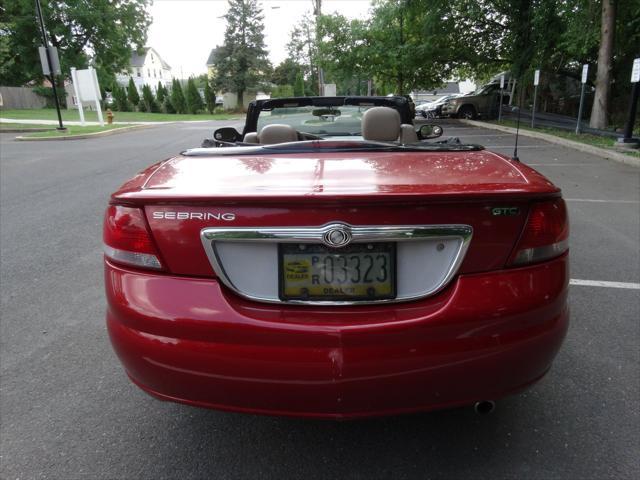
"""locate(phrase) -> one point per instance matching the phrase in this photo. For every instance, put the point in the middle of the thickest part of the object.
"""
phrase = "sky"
(183, 32)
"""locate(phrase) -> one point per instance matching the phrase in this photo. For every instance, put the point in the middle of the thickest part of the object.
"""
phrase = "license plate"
(357, 272)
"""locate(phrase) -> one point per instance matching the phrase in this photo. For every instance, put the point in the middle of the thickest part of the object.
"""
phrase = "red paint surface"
(486, 335)
(374, 176)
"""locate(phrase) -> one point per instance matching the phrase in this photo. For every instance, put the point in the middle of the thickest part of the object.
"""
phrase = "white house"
(146, 67)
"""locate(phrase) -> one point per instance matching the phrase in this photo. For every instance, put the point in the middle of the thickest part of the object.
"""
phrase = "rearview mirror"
(226, 134)
(430, 131)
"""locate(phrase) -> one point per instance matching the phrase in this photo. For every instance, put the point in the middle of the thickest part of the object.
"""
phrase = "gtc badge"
(337, 236)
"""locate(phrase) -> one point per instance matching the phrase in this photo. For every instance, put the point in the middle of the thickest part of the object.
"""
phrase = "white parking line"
(564, 164)
(593, 200)
(599, 283)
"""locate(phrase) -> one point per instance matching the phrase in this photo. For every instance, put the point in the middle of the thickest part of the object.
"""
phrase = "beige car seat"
(382, 124)
(271, 134)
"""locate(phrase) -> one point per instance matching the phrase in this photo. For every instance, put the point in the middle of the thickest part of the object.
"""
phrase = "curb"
(600, 152)
(83, 135)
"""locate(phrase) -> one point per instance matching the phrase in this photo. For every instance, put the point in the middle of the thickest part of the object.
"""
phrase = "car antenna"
(514, 157)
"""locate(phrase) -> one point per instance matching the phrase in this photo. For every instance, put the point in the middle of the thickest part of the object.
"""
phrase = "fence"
(21, 97)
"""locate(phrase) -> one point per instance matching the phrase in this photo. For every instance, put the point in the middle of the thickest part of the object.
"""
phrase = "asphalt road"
(68, 411)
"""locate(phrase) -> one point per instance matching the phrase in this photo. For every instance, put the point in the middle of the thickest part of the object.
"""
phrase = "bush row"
(173, 100)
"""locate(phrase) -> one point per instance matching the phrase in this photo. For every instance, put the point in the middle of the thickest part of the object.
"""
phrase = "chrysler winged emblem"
(337, 236)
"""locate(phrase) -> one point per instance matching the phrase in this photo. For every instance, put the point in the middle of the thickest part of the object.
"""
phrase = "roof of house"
(138, 57)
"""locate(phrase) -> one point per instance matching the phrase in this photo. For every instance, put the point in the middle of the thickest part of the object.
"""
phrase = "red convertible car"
(330, 261)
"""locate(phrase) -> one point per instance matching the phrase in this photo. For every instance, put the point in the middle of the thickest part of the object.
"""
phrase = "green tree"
(148, 99)
(209, 97)
(302, 49)
(298, 86)
(161, 92)
(241, 62)
(193, 98)
(177, 97)
(120, 101)
(132, 93)
(285, 73)
(102, 33)
(167, 106)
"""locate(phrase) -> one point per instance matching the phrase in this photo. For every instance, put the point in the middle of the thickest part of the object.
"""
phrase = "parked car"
(331, 261)
(483, 102)
(434, 109)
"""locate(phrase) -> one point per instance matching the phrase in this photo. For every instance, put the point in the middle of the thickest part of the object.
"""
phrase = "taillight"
(127, 239)
(545, 235)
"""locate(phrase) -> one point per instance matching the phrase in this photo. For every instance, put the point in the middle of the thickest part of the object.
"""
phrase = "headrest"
(381, 124)
(277, 133)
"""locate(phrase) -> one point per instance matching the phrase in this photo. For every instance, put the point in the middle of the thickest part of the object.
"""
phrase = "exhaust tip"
(484, 407)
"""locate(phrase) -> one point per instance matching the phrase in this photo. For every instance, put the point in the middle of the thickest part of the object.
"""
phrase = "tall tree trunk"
(605, 58)
(240, 99)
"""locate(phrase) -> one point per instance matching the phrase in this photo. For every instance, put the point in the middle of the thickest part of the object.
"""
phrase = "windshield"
(333, 121)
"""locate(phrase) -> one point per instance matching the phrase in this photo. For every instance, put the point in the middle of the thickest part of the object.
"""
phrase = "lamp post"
(52, 74)
(317, 11)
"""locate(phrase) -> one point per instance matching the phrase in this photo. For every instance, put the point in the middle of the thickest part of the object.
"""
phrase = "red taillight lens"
(545, 235)
(127, 239)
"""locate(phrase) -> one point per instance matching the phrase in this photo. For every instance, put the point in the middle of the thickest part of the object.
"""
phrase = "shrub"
(298, 87)
(177, 97)
(142, 106)
(209, 97)
(47, 93)
(120, 101)
(132, 93)
(160, 93)
(167, 106)
(148, 99)
(194, 100)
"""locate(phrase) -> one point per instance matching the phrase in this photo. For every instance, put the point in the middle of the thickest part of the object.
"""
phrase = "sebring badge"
(337, 236)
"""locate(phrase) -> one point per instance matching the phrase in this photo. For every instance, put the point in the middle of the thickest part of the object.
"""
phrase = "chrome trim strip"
(360, 234)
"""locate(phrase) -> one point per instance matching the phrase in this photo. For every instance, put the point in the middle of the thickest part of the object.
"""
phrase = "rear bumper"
(485, 336)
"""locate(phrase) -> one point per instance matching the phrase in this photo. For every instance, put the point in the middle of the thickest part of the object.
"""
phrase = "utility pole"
(317, 11)
(400, 72)
(52, 75)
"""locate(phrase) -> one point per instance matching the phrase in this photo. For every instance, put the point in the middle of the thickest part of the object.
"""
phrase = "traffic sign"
(536, 78)
(585, 72)
(55, 61)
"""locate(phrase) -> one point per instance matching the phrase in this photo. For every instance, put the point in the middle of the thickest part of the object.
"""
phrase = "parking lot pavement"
(68, 411)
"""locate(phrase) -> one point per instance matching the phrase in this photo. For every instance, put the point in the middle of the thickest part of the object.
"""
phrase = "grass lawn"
(595, 140)
(23, 126)
(72, 115)
(72, 130)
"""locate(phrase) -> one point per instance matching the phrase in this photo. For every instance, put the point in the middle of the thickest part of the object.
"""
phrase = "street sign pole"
(635, 93)
(501, 93)
(536, 81)
(585, 72)
(52, 73)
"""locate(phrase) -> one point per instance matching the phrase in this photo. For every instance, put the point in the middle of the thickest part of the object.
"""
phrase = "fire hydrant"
(109, 116)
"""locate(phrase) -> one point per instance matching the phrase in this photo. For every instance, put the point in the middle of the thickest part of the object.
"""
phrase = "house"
(146, 67)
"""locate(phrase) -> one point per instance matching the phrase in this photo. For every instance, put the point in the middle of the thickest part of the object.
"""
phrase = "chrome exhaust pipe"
(484, 407)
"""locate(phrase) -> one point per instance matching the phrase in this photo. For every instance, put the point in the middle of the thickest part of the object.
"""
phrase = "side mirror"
(226, 134)
(430, 131)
